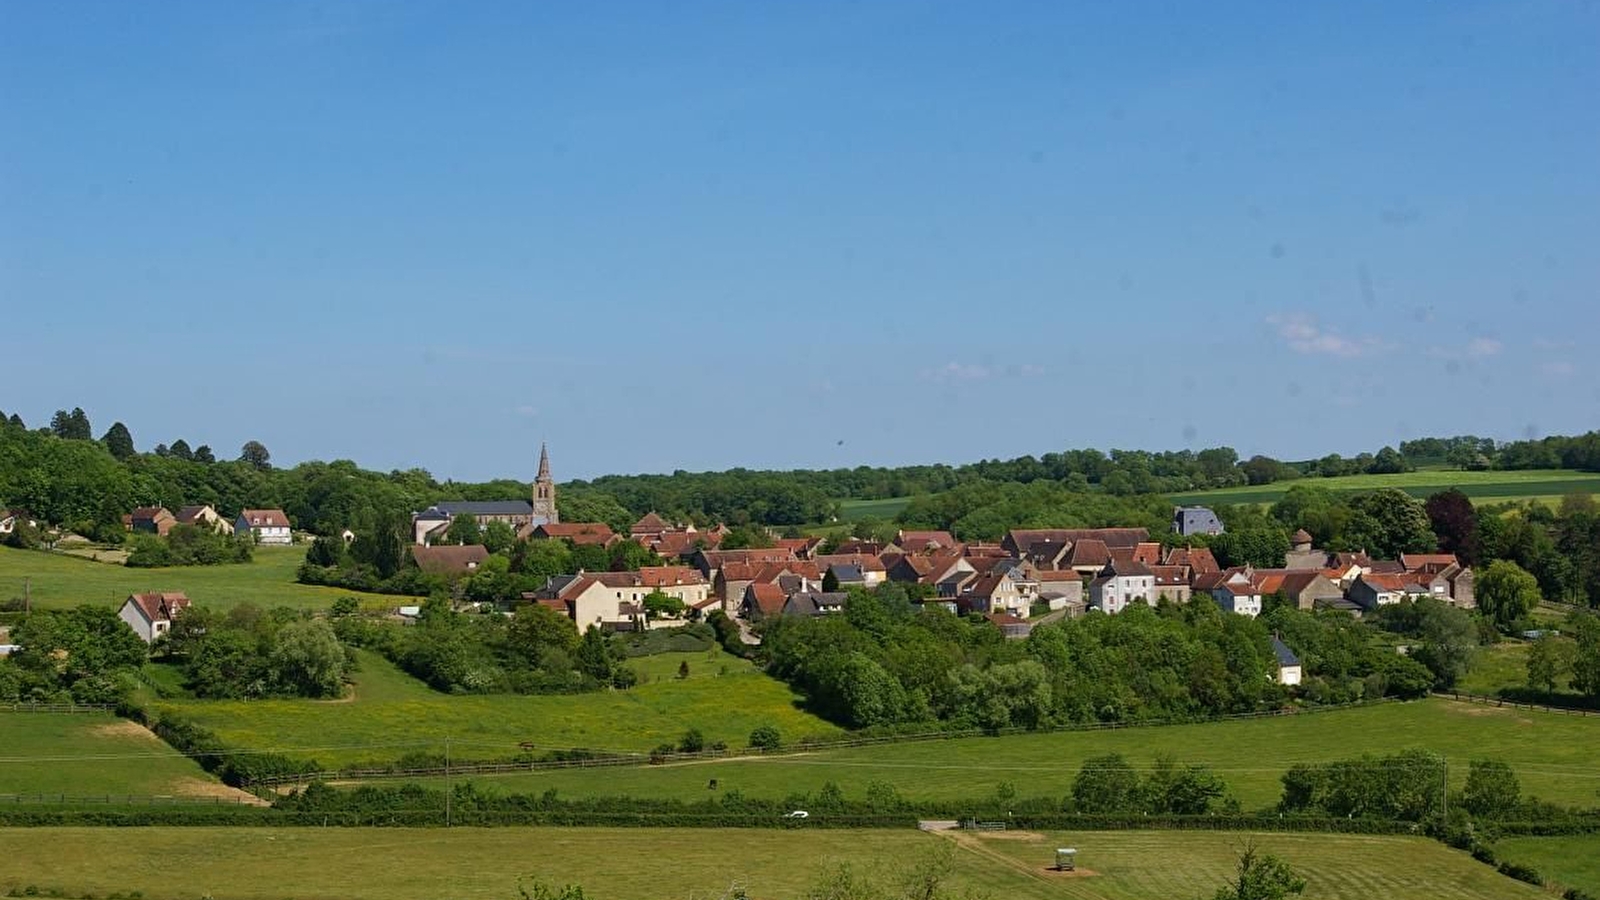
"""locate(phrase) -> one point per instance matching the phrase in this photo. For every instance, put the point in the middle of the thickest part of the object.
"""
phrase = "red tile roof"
(769, 598)
(265, 518)
(160, 606)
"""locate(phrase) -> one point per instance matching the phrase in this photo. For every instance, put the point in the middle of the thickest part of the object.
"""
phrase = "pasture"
(91, 755)
(1549, 751)
(57, 580)
(1482, 487)
(1572, 861)
(612, 864)
(389, 714)
(882, 508)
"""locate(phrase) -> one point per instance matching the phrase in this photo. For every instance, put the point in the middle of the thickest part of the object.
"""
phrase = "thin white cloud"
(1559, 369)
(1302, 333)
(527, 411)
(1480, 347)
(958, 371)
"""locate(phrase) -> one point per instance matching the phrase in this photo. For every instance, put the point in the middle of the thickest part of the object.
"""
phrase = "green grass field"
(630, 864)
(883, 508)
(1482, 487)
(1572, 861)
(93, 754)
(392, 713)
(1551, 753)
(58, 580)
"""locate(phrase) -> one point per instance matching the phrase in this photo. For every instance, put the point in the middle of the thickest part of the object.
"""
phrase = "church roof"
(484, 507)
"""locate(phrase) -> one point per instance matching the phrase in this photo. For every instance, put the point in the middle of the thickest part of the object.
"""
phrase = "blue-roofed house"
(1187, 520)
(1288, 663)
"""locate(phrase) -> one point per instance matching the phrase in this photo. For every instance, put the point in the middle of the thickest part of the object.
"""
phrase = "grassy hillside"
(610, 864)
(90, 754)
(1549, 751)
(392, 713)
(58, 580)
(1482, 487)
(1572, 861)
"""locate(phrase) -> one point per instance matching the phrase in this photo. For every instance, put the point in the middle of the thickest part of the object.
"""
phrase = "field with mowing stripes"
(57, 580)
(93, 754)
(1482, 487)
(630, 864)
(1550, 751)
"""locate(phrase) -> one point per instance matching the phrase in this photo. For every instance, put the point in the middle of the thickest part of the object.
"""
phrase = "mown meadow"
(612, 864)
(93, 755)
(1482, 487)
(1551, 753)
(388, 714)
(58, 580)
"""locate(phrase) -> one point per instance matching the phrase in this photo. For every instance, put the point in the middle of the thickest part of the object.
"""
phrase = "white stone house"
(270, 526)
(150, 615)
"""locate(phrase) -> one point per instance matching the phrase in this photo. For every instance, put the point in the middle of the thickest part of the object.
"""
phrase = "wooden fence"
(1515, 704)
(124, 800)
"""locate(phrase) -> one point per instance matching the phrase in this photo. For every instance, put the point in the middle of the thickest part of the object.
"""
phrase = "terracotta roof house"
(614, 601)
(1172, 582)
(1018, 540)
(596, 534)
(150, 615)
(762, 600)
(204, 516)
(1372, 590)
(650, 523)
(1048, 554)
(995, 591)
(1014, 628)
(152, 520)
(802, 547)
(1061, 589)
(853, 547)
(270, 526)
(926, 541)
(1414, 561)
(710, 561)
(1090, 555)
(1236, 591)
(446, 559)
(1300, 540)
(1197, 559)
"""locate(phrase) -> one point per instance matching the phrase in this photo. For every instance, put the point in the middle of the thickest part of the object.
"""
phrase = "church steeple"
(544, 492)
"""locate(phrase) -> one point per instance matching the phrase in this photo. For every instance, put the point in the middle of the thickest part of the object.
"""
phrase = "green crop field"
(628, 864)
(1550, 752)
(91, 755)
(1483, 487)
(1572, 861)
(883, 508)
(391, 713)
(59, 580)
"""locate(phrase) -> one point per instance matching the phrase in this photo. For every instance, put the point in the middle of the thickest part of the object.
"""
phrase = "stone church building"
(523, 516)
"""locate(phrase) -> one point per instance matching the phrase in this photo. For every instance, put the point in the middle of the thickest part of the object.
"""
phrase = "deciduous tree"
(1506, 592)
(1455, 523)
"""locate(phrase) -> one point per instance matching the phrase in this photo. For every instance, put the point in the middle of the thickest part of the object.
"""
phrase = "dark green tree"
(118, 441)
(1549, 658)
(1492, 789)
(1455, 523)
(255, 453)
(1106, 784)
(464, 530)
(1387, 523)
(203, 454)
(498, 536)
(180, 450)
(1261, 877)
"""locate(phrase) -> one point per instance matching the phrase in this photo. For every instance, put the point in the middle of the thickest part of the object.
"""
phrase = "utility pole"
(448, 786)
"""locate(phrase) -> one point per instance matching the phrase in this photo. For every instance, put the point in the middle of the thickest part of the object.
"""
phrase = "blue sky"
(697, 236)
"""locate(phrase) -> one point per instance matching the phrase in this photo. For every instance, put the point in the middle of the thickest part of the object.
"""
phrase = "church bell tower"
(544, 492)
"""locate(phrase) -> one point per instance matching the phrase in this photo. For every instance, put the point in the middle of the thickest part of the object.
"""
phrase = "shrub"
(765, 737)
(1522, 873)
